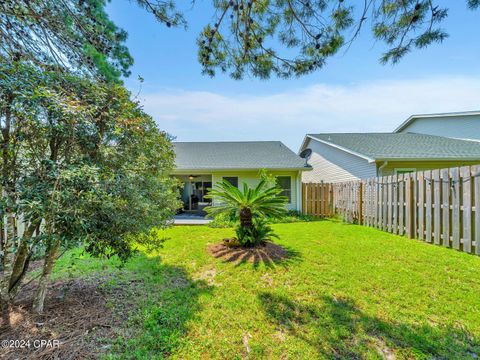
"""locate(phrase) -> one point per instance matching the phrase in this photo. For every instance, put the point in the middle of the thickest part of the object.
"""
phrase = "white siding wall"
(462, 127)
(252, 178)
(335, 165)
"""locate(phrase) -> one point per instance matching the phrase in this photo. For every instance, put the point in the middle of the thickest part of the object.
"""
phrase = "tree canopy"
(256, 37)
(81, 164)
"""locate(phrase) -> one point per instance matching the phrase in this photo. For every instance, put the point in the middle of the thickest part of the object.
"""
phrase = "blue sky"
(353, 93)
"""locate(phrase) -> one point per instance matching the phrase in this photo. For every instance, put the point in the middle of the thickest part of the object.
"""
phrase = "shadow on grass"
(338, 329)
(140, 310)
(161, 300)
(269, 255)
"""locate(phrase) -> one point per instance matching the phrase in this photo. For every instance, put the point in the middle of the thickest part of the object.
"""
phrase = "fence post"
(360, 203)
(409, 206)
(446, 207)
(455, 208)
(476, 178)
(332, 199)
(304, 198)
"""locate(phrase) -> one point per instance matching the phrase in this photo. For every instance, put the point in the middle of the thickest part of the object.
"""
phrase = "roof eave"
(206, 171)
(363, 156)
(304, 143)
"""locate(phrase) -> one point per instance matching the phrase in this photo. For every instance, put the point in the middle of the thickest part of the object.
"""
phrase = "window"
(232, 180)
(285, 183)
(399, 171)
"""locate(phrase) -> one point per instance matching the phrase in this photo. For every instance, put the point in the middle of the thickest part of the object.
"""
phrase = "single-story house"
(352, 156)
(199, 165)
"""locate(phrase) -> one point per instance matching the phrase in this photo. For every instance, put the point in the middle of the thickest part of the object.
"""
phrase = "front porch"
(193, 193)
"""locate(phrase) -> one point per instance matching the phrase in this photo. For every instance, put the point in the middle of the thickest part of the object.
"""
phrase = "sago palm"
(260, 201)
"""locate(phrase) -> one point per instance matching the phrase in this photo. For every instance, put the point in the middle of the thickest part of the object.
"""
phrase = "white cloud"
(287, 116)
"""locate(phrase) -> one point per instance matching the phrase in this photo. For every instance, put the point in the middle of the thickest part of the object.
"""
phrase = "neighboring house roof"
(246, 155)
(401, 146)
(438, 115)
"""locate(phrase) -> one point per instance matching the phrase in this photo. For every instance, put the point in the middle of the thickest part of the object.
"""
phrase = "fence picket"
(476, 171)
(360, 203)
(304, 198)
(415, 204)
(380, 204)
(389, 203)
(446, 207)
(322, 199)
(467, 208)
(421, 206)
(428, 205)
(395, 204)
(437, 207)
(372, 198)
(409, 207)
(456, 208)
(401, 204)
(384, 205)
(377, 203)
(367, 190)
(313, 202)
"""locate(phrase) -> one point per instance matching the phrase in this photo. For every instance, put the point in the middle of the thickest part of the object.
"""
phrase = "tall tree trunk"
(8, 245)
(21, 263)
(8, 260)
(50, 258)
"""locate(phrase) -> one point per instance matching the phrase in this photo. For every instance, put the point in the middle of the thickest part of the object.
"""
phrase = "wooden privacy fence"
(437, 206)
(317, 199)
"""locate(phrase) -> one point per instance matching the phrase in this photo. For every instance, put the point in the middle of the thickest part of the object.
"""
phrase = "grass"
(348, 292)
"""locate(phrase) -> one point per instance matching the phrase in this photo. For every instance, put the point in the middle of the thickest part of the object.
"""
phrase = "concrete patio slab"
(187, 219)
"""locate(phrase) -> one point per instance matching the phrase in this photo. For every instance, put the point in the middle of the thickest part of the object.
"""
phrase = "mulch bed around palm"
(76, 315)
(267, 253)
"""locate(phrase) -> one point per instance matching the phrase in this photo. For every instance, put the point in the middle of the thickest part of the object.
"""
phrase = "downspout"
(379, 170)
(299, 191)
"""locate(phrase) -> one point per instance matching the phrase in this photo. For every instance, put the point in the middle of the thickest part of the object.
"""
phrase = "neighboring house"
(345, 157)
(459, 125)
(199, 165)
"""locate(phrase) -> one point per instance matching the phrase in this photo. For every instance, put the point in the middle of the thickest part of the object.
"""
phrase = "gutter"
(299, 191)
(207, 171)
(380, 168)
(459, 158)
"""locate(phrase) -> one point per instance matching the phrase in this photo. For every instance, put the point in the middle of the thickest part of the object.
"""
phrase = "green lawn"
(346, 292)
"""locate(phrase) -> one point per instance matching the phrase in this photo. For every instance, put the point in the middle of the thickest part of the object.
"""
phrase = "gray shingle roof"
(385, 146)
(235, 155)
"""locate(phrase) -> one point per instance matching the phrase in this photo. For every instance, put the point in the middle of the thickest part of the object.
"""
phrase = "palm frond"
(261, 199)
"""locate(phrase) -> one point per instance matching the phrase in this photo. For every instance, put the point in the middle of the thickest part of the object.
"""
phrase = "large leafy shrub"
(257, 234)
(249, 206)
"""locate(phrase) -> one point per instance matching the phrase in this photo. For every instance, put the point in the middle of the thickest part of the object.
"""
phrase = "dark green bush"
(257, 234)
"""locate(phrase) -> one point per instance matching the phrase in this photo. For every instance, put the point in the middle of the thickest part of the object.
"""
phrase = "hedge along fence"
(437, 206)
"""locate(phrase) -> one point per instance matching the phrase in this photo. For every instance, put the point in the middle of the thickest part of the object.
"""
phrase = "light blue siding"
(334, 165)
(461, 127)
